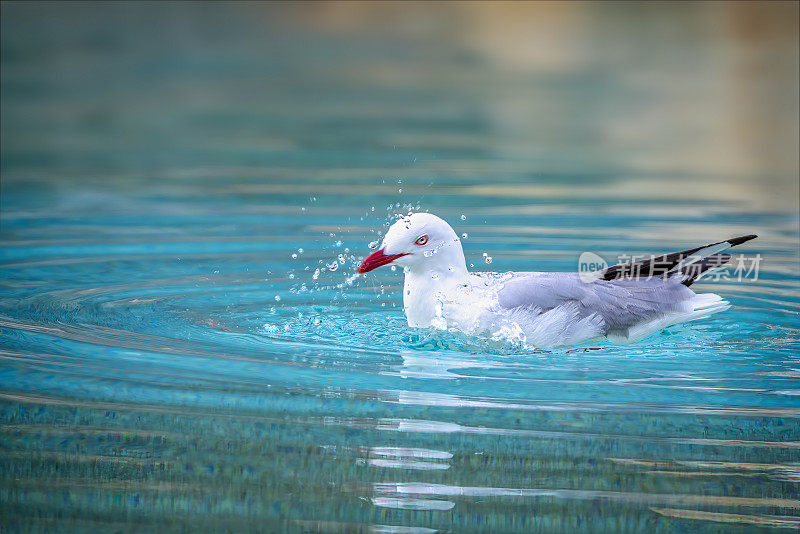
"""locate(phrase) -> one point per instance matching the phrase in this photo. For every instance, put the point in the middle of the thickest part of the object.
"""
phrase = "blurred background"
(651, 92)
(186, 188)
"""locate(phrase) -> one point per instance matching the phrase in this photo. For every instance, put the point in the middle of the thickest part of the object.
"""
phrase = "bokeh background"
(186, 189)
(648, 94)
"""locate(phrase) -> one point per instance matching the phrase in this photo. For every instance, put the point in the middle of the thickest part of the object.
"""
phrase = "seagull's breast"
(427, 297)
(419, 301)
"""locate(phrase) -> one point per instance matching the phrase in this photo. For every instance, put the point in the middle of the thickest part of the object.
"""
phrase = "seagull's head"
(419, 242)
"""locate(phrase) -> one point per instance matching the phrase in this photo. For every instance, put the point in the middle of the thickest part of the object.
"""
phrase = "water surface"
(186, 191)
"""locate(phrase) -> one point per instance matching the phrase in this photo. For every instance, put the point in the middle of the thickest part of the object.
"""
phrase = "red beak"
(376, 259)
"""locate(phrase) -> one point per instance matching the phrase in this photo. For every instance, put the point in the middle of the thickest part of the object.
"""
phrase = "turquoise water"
(174, 176)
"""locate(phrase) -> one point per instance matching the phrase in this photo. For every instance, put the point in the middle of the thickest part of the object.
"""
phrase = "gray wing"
(621, 303)
(704, 259)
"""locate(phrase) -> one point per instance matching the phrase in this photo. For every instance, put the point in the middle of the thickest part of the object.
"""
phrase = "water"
(168, 362)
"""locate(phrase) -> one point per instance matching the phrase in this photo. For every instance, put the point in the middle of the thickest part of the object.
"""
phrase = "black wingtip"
(739, 240)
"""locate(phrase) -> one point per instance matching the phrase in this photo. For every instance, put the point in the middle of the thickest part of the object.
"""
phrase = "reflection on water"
(179, 181)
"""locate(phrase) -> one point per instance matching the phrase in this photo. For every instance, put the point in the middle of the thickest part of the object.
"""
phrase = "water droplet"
(338, 243)
(291, 276)
(373, 245)
(294, 256)
(464, 235)
(317, 321)
(347, 249)
(485, 254)
(394, 267)
(463, 217)
(400, 190)
(341, 258)
(332, 266)
(299, 250)
(488, 259)
(372, 208)
(277, 298)
(303, 209)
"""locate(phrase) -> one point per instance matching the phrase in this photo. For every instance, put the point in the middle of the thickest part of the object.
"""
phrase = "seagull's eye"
(421, 240)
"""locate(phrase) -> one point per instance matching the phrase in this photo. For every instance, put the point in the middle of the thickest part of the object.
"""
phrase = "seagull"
(623, 303)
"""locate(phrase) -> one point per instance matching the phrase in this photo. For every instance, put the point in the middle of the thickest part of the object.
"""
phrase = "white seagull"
(623, 303)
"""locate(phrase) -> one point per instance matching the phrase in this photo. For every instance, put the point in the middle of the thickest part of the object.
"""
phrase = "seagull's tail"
(698, 307)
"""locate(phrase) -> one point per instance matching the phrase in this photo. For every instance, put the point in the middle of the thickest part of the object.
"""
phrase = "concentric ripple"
(186, 386)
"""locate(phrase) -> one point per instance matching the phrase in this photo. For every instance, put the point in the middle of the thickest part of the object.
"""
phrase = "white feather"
(700, 255)
(698, 307)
